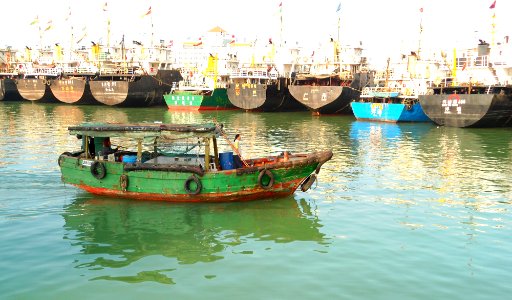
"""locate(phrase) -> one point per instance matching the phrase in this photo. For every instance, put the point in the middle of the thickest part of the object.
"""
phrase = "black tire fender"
(262, 175)
(98, 170)
(308, 182)
(197, 182)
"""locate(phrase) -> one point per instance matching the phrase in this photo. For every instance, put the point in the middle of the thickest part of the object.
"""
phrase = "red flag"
(493, 5)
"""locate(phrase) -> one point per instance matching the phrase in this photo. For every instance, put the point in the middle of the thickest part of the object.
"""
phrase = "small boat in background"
(180, 163)
(328, 85)
(205, 66)
(395, 96)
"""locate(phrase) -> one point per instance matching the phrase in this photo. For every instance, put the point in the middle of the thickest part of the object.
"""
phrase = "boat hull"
(72, 91)
(2, 90)
(388, 112)
(141, 91)
(11, 90)
(468, 110)
(325, 99)
(33, 89)
(263, 97)
(147, 183)
(188, 101)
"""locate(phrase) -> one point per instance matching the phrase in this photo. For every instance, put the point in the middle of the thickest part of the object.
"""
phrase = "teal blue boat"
(388, 105)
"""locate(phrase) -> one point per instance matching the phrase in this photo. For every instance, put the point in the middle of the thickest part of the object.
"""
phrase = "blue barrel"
(226, 160)
(129, 159)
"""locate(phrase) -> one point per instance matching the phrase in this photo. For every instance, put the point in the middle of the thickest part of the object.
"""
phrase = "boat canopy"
(146, 130)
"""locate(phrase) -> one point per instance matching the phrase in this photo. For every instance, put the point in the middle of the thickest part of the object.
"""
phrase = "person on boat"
(107, 148)
(237, 161)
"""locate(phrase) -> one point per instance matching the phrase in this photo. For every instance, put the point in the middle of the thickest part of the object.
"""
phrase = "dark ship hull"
(72, 90)
(2, 90)
(273, 97)
(135, 91)
(328, 99)
(35, 89)
(10, 90)
(454, 107)
(325, 99)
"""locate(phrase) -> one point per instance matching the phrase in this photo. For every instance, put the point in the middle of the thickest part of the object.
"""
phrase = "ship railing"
(43, 72)
(371, 91)
(117, 71)
(260, 74)
(477, 61)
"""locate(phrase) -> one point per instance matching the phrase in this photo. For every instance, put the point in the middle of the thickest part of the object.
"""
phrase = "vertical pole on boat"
(206, 153)
(454, 67)
(216, 152)
(139, 150)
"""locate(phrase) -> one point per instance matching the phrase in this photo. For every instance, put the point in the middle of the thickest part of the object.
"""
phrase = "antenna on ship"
(421, 32)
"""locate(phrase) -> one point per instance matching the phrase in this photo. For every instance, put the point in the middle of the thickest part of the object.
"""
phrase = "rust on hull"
(71, 90)
(279, 191)
(35, 89)
(109, 92)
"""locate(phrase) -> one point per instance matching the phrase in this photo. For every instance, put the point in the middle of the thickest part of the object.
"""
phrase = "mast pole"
(421, 32)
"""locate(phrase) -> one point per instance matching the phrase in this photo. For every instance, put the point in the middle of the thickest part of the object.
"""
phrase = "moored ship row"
(102, 78)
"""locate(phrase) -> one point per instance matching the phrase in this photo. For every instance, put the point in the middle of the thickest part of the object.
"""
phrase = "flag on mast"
(493, 5)
(48, 26)
(147, 13)
(339, 7)
(105, 7)
(36, 20)
(69, 15)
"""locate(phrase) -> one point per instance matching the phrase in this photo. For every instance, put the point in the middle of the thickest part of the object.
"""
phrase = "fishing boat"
(195, 99)
(139, 80)
(262, 84)
(179, 163)
(205, 65)
(477, 93)
(200, 91)
(394, 98)
(327, 85)
(259, 90)
(72, 86)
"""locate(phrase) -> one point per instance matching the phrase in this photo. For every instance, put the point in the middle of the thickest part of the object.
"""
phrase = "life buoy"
(263, 181)
(98, 170)
(198, 185)
(308, 182)
(123, 182)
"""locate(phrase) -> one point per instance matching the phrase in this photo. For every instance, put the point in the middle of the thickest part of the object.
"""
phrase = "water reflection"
(473, 165)
(113, 234)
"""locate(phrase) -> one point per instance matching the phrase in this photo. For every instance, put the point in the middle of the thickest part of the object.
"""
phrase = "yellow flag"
(36, 20)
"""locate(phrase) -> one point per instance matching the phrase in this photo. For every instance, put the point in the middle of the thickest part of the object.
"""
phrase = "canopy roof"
(145, 130)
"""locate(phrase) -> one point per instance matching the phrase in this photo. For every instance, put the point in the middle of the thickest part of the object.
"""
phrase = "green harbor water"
(408, 211)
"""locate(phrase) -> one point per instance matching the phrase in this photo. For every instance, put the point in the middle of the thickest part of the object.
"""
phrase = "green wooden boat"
(193, 100)
(180, 163)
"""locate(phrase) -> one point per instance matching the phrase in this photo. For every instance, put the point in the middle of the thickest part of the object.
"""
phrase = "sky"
(385, 28)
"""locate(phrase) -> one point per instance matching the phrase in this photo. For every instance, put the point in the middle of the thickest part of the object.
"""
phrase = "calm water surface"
(407, 211)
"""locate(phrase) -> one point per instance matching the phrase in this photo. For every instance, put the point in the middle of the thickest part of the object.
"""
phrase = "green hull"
(142, 182)
(188, 100)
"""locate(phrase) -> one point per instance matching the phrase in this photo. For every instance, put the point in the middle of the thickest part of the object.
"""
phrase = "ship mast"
(421, 32)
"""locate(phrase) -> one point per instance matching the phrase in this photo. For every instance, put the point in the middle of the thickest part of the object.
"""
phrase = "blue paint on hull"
(388, 112)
